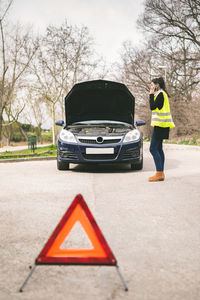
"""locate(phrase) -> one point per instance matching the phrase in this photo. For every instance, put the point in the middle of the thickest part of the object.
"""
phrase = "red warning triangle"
(54, 253)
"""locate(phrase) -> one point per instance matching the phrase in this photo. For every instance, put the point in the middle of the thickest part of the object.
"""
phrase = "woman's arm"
(158, 103)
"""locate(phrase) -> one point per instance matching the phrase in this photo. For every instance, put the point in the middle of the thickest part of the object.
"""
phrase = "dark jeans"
(156, 149)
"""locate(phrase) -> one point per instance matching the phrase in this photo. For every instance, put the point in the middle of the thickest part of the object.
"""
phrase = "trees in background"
(65, 56)
(17, 49)
(175, 26)
(172, 51)
(37, 73)
(178, 19)
(35, 112)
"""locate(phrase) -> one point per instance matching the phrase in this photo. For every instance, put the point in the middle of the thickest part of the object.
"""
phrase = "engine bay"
(100, 129)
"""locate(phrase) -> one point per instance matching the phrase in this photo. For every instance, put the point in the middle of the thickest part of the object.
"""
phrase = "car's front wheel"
(138, 166)
(62, 165)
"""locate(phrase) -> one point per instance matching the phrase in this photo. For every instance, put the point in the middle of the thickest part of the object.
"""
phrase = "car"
(99, 126)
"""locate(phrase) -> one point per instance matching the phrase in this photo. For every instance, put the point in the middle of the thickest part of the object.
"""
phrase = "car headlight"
(67, 136)
(131, 136)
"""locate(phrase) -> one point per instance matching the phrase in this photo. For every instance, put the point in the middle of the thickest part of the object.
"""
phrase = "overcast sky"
(110, 22)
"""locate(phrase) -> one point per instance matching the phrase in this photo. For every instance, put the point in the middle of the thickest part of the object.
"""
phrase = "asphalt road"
(153, 229)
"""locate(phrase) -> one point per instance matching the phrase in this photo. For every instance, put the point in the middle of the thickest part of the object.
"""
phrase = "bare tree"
(175, 26)
(171, 51)
(35, 112)
(66, 55)
(140, 66)
(178, 18)
(12, 116)
(17, 49)
(4, 6)
(136, 71)
(182, 65)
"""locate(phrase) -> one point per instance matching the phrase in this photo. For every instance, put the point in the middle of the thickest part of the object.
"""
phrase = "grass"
(38, 152)
(193, 141)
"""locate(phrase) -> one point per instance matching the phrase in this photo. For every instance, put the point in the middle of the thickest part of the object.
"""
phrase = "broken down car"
(99, 126)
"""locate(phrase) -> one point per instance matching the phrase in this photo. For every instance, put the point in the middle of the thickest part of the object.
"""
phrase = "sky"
(110, 22)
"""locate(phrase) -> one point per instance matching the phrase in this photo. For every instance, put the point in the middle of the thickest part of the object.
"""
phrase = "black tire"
(137, 166)
(62, 165)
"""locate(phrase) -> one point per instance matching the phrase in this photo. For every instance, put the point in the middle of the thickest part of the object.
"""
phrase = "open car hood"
(99, 100)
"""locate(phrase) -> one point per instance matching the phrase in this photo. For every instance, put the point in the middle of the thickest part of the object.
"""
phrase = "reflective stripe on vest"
(162, 117)
(161, 114)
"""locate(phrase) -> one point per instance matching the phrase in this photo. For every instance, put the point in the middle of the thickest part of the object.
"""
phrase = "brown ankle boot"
(159, 176)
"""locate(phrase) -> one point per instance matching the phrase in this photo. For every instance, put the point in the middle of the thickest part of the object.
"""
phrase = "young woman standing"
(161, 122)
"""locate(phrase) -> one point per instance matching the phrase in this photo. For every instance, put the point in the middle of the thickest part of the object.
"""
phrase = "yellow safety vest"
(162, 117)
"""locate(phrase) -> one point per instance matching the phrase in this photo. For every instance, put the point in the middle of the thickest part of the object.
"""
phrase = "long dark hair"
(161, 83)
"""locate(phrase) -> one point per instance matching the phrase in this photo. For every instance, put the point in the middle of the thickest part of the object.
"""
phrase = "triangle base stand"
(122, 278)
(32, 269)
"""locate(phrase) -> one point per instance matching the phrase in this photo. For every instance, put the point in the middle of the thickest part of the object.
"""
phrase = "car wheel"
(137, 166)
(62, 165)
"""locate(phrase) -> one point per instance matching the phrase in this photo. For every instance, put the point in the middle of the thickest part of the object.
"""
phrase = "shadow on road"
(121, 168)
(102, 168)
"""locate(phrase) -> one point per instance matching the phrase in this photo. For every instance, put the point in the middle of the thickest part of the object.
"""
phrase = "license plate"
(99, 150)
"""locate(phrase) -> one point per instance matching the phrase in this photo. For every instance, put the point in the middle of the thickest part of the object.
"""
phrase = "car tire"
(137, 166)
(62, 165)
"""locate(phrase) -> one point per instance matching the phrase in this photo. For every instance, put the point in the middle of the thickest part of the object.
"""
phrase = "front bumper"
(76, 153)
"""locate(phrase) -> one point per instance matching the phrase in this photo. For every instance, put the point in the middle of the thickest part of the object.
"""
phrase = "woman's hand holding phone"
(152, 88)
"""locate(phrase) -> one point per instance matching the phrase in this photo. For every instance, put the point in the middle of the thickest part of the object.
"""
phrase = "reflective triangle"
(54, 252)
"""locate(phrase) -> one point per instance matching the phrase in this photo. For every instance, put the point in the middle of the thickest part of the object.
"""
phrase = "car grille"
(68, 154)
(93, 141)
(133, 153)
(99, 156)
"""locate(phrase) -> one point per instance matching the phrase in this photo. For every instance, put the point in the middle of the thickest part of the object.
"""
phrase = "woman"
(161, 122)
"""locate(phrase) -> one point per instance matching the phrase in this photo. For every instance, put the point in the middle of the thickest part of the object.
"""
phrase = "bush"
(46, 137)
(17, 137)
(27, 127)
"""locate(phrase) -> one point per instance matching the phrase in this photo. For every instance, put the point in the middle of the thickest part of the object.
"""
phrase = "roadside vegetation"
(38, 152)
(192, 141)
(18, 132)
(51, 150)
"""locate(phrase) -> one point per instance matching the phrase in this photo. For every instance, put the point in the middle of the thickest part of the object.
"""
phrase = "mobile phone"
(156, 87)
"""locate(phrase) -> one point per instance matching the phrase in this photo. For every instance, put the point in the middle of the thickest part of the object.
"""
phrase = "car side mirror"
(140, 123)
(60, 123)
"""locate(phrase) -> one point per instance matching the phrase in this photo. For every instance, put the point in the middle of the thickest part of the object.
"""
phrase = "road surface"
(153, 229)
